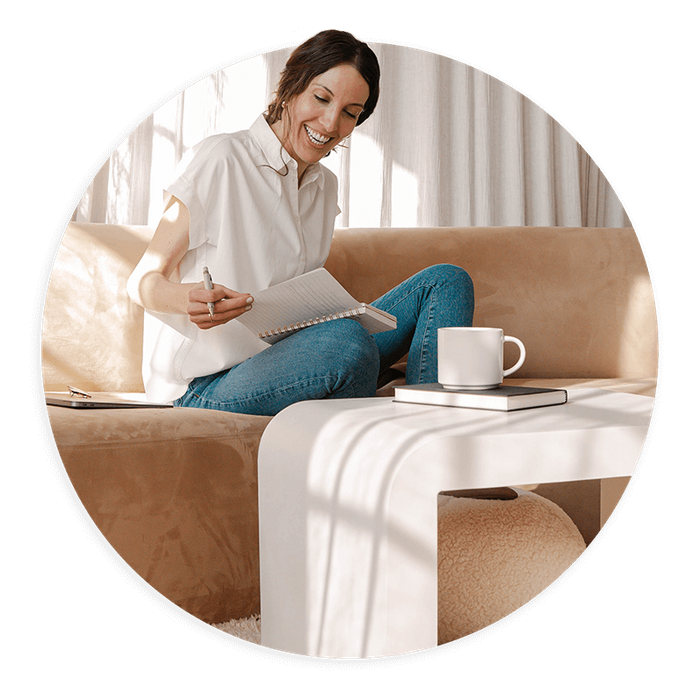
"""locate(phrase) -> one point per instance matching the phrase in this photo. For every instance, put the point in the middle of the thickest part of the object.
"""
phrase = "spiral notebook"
(312, 298)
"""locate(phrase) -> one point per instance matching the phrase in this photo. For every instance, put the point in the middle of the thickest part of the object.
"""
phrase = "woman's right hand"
(228, 304)
(154, 285)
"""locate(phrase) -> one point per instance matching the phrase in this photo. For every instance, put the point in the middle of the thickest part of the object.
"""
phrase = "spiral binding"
(348, 313)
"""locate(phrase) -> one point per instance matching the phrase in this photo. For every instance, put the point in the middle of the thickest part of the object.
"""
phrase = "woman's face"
(319, 118)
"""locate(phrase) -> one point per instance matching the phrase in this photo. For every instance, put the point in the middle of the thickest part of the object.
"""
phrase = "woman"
(257, 208)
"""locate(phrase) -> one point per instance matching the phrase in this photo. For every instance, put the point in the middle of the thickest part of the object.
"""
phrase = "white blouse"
(252, 227)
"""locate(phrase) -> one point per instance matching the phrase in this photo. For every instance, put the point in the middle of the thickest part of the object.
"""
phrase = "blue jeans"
(340, 359)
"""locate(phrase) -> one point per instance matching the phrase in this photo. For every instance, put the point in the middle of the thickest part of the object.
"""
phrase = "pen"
(208, 285)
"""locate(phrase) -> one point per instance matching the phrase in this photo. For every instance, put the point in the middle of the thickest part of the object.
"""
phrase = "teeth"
(316, 137)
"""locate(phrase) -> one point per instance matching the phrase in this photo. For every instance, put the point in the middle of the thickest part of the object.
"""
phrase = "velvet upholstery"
(92, 332)
(174, 491)
(580, 299)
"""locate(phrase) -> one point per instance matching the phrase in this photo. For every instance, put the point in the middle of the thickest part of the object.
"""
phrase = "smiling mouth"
(316, 138)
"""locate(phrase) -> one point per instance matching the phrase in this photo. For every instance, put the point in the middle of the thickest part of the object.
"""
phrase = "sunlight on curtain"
(364, 200)
(447, 146)
(129, 188)
(404, 197)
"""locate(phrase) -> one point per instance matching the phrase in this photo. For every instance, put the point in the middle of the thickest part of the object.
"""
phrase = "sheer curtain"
(447, 146)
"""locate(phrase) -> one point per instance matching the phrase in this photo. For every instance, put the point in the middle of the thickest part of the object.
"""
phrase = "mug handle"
(521, 359)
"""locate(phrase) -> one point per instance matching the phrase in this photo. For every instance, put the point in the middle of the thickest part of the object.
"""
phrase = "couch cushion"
(174, 491)
(642, 386)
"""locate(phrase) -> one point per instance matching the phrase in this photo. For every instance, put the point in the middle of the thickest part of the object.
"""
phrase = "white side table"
(348, 504)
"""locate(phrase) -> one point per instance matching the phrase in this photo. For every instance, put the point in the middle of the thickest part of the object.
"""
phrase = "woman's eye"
(323, 100)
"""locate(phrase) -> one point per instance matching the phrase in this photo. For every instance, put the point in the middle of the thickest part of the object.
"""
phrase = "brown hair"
(319, 54)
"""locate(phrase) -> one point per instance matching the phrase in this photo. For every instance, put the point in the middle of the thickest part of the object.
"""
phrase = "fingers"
(228, 304)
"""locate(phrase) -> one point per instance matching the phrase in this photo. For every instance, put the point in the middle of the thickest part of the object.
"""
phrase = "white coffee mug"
(472, 358)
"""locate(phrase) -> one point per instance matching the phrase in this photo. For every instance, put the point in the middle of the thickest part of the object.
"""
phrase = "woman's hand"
(154, 283)
(228, 305)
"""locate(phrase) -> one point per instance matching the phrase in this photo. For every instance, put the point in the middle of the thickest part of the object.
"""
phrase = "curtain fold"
(448, 145)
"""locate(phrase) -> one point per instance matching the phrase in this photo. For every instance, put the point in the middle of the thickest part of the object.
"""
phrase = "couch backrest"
(580, 299)
(92, 331)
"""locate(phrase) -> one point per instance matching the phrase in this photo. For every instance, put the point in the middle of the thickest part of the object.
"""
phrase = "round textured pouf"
(496, 552)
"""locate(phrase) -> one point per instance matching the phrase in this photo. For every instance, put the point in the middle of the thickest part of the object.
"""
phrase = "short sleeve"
(200, 184)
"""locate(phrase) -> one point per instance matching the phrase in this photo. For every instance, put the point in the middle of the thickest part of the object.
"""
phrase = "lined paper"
(302, 300)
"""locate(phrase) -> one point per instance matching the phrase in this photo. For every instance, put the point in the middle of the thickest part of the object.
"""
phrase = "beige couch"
(175, 490)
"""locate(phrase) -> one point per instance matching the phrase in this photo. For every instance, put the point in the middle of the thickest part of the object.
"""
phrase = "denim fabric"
(438, 297)
(340, 359)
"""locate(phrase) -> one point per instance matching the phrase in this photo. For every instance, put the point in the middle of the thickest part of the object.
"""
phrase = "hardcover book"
(502, 398)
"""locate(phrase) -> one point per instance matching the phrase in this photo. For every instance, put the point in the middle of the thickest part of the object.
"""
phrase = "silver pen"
(208, 285)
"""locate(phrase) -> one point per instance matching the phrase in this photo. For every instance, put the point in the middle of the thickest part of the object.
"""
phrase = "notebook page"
(311, 295)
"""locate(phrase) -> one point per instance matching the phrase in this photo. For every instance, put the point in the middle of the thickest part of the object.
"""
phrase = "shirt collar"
(278, 158)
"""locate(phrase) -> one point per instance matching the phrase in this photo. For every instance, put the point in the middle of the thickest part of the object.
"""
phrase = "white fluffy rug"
(247, 629)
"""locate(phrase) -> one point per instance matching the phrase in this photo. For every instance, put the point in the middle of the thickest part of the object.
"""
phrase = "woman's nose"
(330, 120)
